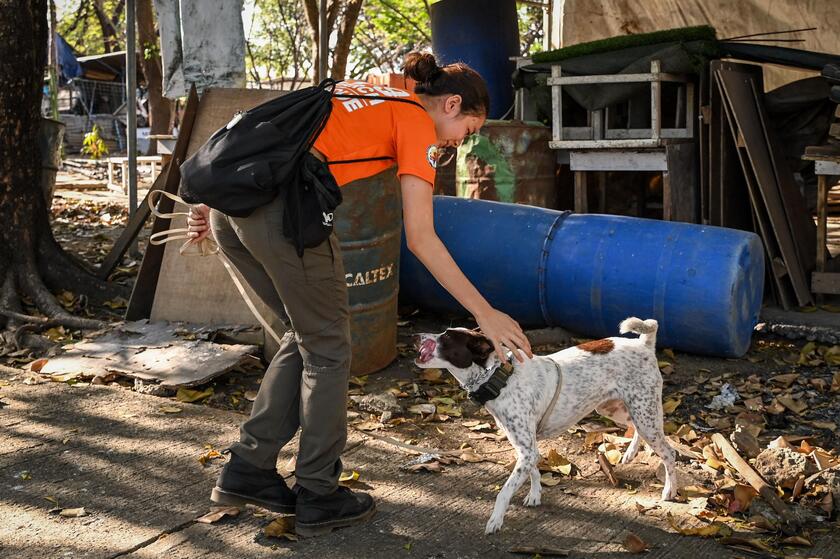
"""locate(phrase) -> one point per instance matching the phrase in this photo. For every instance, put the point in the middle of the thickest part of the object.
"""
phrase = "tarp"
(578, 21)
(202, 42)
(67, 63)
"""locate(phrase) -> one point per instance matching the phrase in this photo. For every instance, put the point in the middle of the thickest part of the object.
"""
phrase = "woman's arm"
(424, 243)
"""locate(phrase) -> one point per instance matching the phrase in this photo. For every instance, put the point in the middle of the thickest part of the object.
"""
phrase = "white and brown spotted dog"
(618, 377)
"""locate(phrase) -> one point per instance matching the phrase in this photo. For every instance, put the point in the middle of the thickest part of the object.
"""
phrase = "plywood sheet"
(198, 288)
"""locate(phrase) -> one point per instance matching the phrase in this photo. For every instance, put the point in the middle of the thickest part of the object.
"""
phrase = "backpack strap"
(382, 97)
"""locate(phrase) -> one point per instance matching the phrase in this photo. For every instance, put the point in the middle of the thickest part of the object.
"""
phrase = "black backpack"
(264, 152)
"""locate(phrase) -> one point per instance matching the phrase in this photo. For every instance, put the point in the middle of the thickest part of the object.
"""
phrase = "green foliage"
(151, 50)
(387, 30)
(93, 144)
(278, 44)
(81, 29)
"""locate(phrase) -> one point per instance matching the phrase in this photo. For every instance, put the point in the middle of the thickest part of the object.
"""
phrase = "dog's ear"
(481, 348)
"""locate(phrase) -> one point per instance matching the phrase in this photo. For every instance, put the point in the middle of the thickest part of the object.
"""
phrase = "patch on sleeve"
(598, 346)
(432, 155)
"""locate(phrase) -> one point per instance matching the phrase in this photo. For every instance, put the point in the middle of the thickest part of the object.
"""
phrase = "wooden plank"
(581, 193)
(132, 229)
(680, 184)
(737, 89)
(143, 293)
(781, 286)
(822, 221)
(617, 144)
(614, 160)
(556, 106)
(799, 218)
(652, 77)
(825, 282)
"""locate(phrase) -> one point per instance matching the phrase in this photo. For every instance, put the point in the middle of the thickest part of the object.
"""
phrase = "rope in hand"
(206, 247)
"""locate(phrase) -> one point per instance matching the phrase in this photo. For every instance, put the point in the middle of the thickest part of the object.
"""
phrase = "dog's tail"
(645, 328)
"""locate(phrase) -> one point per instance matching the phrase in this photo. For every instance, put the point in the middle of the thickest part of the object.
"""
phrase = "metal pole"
(131, 103)
(323, 41)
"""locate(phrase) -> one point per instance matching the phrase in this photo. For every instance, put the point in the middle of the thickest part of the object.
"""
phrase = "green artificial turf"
(680, 34)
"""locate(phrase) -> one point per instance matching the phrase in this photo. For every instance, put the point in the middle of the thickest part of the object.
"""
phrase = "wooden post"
(655, 102)
(822, 220)
(556, 106)
(581, 198)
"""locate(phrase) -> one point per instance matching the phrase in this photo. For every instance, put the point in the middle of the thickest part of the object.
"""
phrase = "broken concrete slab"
(173, 354)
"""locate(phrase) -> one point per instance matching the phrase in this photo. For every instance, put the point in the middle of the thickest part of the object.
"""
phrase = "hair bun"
(420, 66)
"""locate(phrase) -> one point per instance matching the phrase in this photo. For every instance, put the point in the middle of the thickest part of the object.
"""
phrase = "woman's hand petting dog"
(198, 223)
(502, 330)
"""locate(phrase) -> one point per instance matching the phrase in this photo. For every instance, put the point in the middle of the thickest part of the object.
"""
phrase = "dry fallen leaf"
(785, 380)
(37, 365)
(368, 425)
(187, 395)
(217, 513)
(709, 530)
(635, 544)
(283, 527)
(835, 382)
(73, 513)
(422, 409)
(797, 540)
(553, 462)
(796, 406)
(549, 479)
(166, 408)
(433, 467)
(670, 405)
(208, 456)
(470, 455)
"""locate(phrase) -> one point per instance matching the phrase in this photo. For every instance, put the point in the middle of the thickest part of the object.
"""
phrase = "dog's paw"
(493, 525)
(532, 500)
(669, 493)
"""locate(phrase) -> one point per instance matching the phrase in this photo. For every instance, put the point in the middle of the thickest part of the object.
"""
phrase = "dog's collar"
(492, 387)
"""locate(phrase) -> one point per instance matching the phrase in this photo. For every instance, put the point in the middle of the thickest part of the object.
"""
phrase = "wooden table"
(155, 162)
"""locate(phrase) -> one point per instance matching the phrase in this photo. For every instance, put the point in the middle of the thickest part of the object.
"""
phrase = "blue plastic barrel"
(589, 272)
(484, 34)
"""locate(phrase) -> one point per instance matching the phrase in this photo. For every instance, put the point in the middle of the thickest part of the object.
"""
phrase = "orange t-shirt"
(361, 128)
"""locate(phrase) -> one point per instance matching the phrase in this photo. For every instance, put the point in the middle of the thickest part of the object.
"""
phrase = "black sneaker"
(316, 515)
(242, 483)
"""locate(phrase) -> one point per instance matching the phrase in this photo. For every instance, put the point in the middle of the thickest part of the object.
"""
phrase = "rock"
(377, 403)
(745, 442)
(152, 388)
(783, 466)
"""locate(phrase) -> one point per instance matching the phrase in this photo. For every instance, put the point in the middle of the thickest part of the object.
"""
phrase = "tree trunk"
(110, 39)
(311, 7)
(160, 108)
(27, 246)
(345, 36)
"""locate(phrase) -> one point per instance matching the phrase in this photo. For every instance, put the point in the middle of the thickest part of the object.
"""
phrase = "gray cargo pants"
(305, 385)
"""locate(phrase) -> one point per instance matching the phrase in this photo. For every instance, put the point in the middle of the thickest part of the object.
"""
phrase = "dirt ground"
(142, 466)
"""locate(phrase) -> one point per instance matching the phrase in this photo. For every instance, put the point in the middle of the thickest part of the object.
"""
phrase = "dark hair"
(452, 79)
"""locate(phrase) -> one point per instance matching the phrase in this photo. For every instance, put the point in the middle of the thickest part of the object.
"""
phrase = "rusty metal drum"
(508, 161)
(368, 224)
